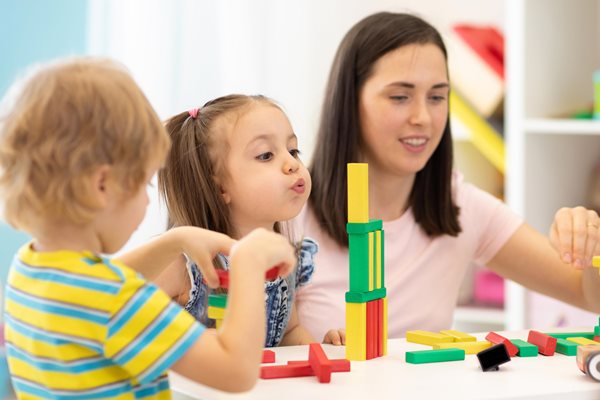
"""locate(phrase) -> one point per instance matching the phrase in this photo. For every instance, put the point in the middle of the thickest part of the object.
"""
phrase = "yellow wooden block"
(356, 331)
(378, 265)
(371, 261)
(428, 338)
(459, 336)
(596, 262)
(582, 341)
(385, 326)
(468, 347)
(358, 192)
(216, 312)
(218, 323)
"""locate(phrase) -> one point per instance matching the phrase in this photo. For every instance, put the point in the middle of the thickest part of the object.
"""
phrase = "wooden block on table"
(582, 341)
(491, 358)
(431, 356)
(495, 338)
(468, 347)
(566, 347)
(319, 362)
(566, 335)
(525, 349)
(268, 356)
(459, 336)
(428, 338)
(546, 344)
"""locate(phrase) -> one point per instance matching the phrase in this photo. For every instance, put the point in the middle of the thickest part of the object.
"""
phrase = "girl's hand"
(202, 246)
(336, 337)
(267, 250)
(575, 234)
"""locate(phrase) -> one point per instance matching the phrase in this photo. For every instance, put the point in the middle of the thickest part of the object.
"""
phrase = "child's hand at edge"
(202, 245)
(337, 337)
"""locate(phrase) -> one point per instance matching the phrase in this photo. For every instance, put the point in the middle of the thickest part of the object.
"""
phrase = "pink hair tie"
(194, 112)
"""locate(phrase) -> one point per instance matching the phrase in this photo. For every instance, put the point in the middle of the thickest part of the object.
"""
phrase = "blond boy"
(78, 144)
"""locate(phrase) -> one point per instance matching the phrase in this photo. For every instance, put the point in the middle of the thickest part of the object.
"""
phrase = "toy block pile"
(366, 301)
(317, 365)
(495, 349)
(218, 302)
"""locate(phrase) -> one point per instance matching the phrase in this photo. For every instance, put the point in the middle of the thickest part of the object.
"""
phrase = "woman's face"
(403, 109)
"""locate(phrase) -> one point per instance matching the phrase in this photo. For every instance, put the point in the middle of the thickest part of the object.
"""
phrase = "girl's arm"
(199, 244)
(229, 359)
(295, 334)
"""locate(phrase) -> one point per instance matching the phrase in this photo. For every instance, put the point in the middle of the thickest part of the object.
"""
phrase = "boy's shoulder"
(80, 263)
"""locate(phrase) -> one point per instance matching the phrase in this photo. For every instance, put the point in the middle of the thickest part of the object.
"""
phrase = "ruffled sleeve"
(306, 262)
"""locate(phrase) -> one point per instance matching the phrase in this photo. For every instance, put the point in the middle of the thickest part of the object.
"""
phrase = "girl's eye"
(295, 153)
(399, 98)
(265, 156)
(438, 98)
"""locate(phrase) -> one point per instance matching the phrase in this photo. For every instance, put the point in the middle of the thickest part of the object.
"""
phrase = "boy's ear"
(100, 184)
(223, 191)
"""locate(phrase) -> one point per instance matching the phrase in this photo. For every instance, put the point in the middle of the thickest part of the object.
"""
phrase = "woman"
(387, 105)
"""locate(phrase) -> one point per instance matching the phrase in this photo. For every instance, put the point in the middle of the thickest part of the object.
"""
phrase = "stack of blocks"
(366, 302)
(216, 308)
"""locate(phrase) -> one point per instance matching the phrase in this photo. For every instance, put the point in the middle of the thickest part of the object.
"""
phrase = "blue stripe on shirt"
(130, 308)
(47, 365)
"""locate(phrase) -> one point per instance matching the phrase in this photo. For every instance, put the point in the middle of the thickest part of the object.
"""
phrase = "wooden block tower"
(366, 302)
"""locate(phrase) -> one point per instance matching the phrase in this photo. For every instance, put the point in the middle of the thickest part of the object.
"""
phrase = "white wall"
(186, 52)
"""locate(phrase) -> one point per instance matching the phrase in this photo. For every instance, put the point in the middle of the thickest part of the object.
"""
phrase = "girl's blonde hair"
(187, 183)
(60, 124)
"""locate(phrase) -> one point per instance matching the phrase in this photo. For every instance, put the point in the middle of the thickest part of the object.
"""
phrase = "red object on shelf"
(487, 42)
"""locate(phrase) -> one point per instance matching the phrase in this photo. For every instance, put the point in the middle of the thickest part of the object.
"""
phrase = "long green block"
(359, 262)
(217, 300)
(431, 356)
(596, 331)
(364, 297)
(566, 347)
(364, 227)
(566, 335)
(526, 349)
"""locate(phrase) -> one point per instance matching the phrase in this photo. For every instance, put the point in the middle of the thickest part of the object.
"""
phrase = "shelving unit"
(552, 48)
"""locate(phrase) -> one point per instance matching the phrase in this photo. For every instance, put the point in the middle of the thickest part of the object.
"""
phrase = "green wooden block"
(431, 356)
(526, 349)
(382, 258)
(359, 262)
(566, 335)
(596, 331)
(566, 347)
(364, 227)
(217, 300)
(364, 297)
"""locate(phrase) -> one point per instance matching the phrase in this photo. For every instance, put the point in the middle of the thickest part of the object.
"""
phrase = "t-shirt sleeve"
(147, 332)
(492, 221)
(306, 261)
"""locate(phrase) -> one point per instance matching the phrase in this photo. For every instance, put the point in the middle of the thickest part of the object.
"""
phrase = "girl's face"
(403, 109)
(266, 182)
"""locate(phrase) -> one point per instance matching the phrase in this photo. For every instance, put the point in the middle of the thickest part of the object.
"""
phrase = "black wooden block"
(491, 358)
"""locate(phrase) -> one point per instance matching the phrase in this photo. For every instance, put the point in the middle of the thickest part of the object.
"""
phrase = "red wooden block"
(546, 344)
(223, 275)
(338, 365)
(319, 362)
(285, 371)
(379, 327)
(272, 274)
(371, 326)
(497, 339)
(268, 356)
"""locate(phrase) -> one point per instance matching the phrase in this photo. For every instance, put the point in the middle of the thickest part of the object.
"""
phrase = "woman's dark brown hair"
(339, 132)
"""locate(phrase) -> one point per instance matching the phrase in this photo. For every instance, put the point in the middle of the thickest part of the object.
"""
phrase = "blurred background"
(522, 107)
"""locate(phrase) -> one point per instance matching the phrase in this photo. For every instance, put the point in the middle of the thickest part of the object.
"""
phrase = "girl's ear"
(224, 193)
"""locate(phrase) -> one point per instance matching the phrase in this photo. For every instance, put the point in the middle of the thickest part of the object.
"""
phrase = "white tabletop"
(390, 377)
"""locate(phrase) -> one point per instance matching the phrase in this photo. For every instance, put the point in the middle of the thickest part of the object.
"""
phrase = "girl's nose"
(419, 113)
(291, 165)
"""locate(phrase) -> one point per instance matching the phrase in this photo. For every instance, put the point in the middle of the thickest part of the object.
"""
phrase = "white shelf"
(487, 315)
(562, 126)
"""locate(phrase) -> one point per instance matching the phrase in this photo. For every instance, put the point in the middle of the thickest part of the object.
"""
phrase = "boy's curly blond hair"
(62, 122)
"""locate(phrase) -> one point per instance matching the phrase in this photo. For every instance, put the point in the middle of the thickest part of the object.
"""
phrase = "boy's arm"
(295, 334)
(200, 245)
(229, 359)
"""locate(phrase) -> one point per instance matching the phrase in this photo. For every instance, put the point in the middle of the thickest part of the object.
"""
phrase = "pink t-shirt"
(422, 275)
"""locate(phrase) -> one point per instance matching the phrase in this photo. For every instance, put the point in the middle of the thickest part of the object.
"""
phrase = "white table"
(390, 377)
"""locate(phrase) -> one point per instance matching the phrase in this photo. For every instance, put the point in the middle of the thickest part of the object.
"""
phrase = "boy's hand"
(267, 250)
(202, 246)
(575, 234)
(336, 337)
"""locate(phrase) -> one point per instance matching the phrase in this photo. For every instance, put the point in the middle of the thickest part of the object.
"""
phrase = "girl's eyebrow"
(269, 137)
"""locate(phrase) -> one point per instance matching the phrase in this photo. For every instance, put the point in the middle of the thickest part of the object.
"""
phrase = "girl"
(234, 166)
(387, 104)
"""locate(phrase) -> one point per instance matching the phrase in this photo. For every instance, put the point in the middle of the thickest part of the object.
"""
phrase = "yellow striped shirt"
(80, 325)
